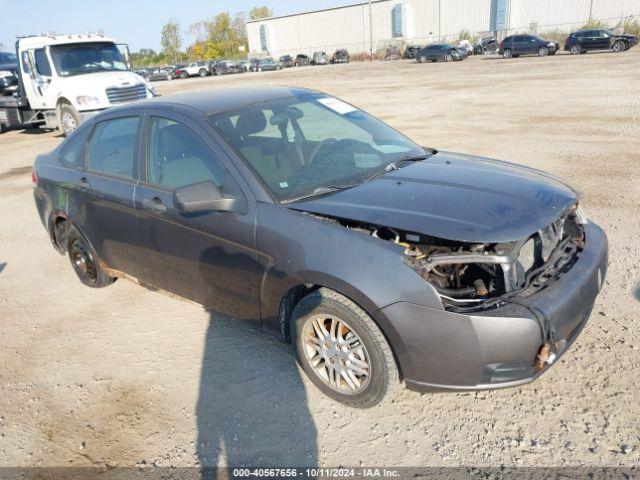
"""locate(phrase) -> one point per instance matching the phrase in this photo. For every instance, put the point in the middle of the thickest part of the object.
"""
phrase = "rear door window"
(112, 147)
(72, 153)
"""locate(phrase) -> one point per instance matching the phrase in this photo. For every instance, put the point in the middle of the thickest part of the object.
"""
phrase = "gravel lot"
(124, 376)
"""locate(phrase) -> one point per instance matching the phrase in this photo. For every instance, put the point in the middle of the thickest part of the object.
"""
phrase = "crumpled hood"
(454, 197)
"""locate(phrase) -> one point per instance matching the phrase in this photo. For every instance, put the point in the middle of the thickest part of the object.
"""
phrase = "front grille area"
(126, 94)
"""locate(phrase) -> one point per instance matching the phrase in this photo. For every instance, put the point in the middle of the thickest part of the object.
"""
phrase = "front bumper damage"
(445, 350)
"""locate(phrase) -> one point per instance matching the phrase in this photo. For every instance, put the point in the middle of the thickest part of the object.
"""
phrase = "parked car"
(466, 46)
(266, 64)
(448, 271)
(8, 73)
(411, 51)
(486, 46)
(243, 65)
(287, 61)
(439, 51)
(143, 72)
(598, 39)
(225, 67)
(159, 74)
(340, 56)
(319, 58)
(392, 53)
(516, 45)
(463, 51)
(177, 70)
(302, 60)
(194, 69)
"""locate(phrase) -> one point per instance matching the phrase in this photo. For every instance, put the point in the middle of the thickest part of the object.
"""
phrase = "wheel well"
(287, 305)
(62, 101)
(59, 232)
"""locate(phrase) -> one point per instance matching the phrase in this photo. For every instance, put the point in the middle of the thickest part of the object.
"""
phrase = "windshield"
(80, 58)
(8, 58)
(310, 144)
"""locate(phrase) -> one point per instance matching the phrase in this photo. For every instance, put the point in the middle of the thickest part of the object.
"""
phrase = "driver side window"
(177, 157)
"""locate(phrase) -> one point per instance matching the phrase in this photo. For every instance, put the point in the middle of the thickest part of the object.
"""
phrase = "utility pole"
(440, 20)
(370, 31)
(590, 10)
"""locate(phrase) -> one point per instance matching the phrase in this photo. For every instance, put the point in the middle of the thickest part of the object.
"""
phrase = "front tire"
(423, 59)
(68, 118)
(342, 350)
(507, 53)
(543, 51)
(183, 75)
(619, 46)
(85, 264)
(202, 73)
(576, 50)
(448, 57)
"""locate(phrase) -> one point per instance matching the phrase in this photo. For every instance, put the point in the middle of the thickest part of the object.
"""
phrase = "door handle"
(84, 184)
(154, 204)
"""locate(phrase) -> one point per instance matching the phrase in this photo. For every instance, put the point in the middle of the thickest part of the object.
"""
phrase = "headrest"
(251, 121)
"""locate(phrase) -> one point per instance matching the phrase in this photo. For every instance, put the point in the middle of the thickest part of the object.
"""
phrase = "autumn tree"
(256, 13)
(171, 40)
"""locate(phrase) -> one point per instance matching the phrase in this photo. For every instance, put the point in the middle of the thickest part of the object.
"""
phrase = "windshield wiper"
(396, 165)
(323, 190)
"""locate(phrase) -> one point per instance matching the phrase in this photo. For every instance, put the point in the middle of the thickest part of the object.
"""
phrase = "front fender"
(297, 248)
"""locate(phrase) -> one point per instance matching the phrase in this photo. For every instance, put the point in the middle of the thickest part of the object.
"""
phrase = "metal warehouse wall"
(552, 14)
(424, 21)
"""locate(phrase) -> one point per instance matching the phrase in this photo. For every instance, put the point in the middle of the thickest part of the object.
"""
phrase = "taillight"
(34, 177)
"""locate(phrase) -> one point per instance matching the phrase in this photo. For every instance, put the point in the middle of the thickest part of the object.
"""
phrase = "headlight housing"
(85, 100)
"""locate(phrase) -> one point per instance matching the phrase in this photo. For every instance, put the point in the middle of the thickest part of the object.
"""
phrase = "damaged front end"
(471, 277)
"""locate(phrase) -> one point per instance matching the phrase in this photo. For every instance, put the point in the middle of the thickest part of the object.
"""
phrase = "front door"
(206, 257)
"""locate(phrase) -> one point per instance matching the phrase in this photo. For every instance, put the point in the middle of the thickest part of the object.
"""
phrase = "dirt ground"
(125, 376)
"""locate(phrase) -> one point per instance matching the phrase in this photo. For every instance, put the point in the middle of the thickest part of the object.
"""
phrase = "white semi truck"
(64, 79)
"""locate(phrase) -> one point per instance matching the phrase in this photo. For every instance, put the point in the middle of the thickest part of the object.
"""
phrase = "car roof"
(220, 100)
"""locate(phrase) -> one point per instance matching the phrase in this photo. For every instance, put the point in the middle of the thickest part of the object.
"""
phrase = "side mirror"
(206, 197)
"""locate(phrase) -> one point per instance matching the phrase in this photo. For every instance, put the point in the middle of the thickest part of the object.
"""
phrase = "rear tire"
(183, 75)
(507, 53)
(353, 346)
(203, 73)
(84, 262)
(423, 59)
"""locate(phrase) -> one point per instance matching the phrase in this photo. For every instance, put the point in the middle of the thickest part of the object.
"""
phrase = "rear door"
(104, 209)
(207, 257)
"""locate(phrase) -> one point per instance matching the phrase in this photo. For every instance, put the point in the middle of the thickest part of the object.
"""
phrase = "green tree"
(256, 13)
(171, 40)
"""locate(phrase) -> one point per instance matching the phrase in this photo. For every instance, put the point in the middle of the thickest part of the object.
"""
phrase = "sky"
(136, 22)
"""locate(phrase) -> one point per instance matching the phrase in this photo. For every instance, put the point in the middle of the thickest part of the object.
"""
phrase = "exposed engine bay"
(478, 276)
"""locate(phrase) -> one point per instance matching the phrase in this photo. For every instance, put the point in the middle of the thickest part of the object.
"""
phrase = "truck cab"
(64, 79)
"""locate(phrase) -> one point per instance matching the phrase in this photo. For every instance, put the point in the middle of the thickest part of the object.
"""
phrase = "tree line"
(223, 36)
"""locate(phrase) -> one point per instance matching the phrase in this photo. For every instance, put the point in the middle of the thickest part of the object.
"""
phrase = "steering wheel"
(324, 143)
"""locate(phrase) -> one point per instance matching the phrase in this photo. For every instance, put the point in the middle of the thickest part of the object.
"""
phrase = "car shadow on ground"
(2, 266)
(636, 292)
(252, 406)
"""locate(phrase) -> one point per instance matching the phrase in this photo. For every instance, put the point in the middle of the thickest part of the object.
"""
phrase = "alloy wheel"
(575, 50)
(543, 51)
(336, 354)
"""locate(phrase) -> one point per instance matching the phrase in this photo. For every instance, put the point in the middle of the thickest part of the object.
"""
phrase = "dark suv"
(600, 39)
(517, 45)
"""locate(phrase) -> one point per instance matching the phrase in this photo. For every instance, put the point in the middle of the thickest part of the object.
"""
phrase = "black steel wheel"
(85, 265)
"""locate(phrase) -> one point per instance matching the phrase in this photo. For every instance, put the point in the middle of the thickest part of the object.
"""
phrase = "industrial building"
(371, 25)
